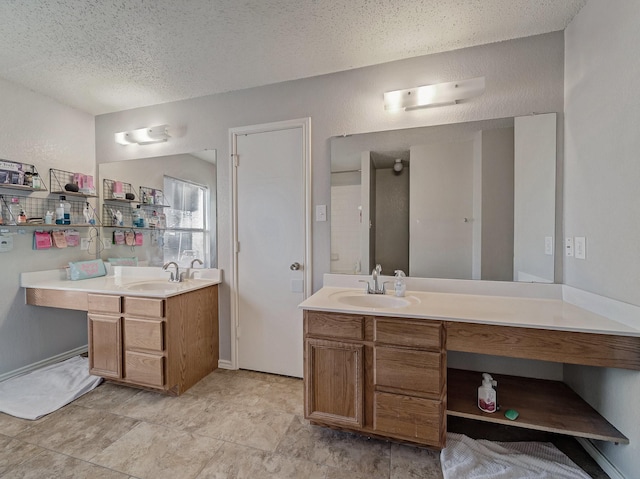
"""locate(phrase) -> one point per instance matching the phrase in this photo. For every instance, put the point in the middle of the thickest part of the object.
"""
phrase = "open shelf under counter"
(543, 405)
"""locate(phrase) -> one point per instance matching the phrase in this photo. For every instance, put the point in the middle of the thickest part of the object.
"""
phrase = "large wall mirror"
(463, 201)
(178, 241)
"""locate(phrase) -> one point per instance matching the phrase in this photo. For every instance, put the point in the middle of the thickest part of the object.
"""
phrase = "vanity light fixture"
(434, 95)
(143, 136)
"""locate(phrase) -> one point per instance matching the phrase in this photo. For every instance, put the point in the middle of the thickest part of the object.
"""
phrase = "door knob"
(295, 266)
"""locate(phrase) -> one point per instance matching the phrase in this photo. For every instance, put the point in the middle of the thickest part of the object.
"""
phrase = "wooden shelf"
(543, 405)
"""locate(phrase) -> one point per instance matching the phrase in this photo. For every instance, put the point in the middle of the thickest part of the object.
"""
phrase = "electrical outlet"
(107, 243)
(84, 244)
(568, 246)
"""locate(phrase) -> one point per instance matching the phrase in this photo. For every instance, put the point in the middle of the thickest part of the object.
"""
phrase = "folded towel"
(45, 390)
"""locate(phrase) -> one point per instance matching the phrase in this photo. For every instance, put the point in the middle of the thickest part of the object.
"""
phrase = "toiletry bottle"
(48, 218)
(22, 218)
(60, 214)
(399, 285)
(86, 214)
(67, 213)
(487, 396)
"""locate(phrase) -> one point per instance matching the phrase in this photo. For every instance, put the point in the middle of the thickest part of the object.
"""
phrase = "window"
(187, 233)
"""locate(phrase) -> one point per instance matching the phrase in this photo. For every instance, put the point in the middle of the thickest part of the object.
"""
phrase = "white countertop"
(525, 312)
(123, 280)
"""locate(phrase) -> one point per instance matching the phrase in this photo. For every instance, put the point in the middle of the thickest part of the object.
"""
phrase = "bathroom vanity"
(378, 365)
(143, 331)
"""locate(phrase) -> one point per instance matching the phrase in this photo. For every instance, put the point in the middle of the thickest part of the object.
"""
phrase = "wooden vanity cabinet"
(144, 340)
(167, 344)
(409, 401)
(379, 376)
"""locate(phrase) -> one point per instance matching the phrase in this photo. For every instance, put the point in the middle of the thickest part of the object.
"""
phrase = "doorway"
(271, 273)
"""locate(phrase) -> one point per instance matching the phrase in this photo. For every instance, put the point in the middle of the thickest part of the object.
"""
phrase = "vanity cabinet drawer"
(146, 307)
(143, 334)
(411, 418)
(418, 334)
(333, 325)
(103, 303)
(409, 370)
(144, 368)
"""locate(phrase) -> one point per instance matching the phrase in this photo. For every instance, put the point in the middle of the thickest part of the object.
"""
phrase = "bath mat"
(469, 458)
(45, 390)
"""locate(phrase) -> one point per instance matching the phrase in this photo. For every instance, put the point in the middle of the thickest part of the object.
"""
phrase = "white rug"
(475, 459)
(45, 390)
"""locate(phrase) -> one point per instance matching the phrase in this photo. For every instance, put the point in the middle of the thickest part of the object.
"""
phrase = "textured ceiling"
(106, 55)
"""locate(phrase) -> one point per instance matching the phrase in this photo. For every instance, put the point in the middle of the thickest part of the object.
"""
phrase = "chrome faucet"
(375, 276)
(178, 277)
(191, 272)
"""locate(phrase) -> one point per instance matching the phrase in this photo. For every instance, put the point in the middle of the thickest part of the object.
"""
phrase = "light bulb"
(397, 166)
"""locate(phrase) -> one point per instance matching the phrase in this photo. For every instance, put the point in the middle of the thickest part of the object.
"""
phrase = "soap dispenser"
(399, 285)
(487, 396)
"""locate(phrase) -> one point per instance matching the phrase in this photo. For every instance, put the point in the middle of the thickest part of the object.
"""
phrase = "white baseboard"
(45, 362)
(225, 364)
(600, 458)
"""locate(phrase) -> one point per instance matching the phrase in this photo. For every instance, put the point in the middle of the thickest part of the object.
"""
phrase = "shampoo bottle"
(487, 396)
(399, 285)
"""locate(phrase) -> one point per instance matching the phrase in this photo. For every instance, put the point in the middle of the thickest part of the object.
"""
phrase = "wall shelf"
(109, 193)
(58, 179)
(15, 175)
(35, 210)
(152, 198)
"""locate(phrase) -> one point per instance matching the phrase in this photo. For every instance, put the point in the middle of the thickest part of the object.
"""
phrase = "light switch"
(321, 212)
(581, 247)
(548, 245)
(568, 246)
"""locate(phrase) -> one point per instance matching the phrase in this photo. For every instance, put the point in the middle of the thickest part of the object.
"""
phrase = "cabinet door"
(105, 345)
(334, 382)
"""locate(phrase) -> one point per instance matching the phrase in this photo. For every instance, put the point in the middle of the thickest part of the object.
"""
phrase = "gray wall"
(602, 174)
(37, 130)
(522, 76)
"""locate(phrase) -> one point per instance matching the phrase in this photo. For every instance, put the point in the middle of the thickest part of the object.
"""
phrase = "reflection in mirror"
(464, 201)
(190, 178)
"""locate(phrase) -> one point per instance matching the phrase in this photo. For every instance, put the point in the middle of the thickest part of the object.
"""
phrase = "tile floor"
(232, 424)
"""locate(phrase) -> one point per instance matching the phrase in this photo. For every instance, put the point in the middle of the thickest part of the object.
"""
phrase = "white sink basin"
(376, 301)
(156, 285)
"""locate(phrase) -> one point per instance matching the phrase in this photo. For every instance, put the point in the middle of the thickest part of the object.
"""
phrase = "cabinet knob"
(295, 266)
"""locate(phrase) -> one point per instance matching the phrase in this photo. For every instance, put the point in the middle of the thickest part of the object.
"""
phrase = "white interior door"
(271, 224)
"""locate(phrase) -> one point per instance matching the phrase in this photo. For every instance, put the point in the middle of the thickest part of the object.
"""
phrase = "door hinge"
(236, 160)
(236, 248)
